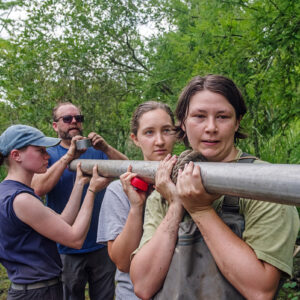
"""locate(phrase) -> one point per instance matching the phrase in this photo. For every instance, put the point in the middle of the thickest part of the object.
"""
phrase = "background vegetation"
(102, 56)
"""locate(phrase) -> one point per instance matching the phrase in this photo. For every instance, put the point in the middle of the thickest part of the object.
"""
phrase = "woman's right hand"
(80, 178)
(193, 195)
(136, 197)
(163, 183)
(97, 182)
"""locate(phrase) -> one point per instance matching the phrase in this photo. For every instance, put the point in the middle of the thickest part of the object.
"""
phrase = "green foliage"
(92, 53)
(79, 51)
(290, 290)
(3, 173)
(4, 283)
(256, 44)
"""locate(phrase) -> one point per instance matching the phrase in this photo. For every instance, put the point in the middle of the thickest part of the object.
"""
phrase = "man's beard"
(65, 135)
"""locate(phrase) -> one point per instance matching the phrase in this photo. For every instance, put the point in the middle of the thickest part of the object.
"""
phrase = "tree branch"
(133, 54)
(113, 60)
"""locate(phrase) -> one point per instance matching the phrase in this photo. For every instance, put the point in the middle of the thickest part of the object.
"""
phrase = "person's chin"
(41, 171)
(74, 132)
(159, 156)
(209, 154)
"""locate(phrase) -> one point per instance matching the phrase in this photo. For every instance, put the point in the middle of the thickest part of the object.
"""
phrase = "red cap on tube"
(139, 184)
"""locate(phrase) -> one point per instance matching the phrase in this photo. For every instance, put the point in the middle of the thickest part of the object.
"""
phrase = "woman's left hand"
(136, 197)
(163, 183)
(191, 190)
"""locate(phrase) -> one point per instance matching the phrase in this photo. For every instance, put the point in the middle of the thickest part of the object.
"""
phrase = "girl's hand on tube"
(191, 190)
(136, 197)
(80, 178)
(163, 183)
(98, 182)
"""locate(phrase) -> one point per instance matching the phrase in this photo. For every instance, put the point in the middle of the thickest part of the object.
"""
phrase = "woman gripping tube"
(28, 229)
(232, 266)
(121, 215)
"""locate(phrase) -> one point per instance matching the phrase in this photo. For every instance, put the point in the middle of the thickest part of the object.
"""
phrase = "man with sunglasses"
(91, 263)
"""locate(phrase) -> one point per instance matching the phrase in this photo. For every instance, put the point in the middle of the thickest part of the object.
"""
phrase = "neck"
(232, 155)
(20, 175)
(65, 143)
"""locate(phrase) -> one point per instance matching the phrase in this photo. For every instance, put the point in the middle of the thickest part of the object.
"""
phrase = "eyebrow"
(153, 127)
(204, 111)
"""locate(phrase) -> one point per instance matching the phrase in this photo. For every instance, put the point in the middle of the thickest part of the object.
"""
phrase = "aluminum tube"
(279, 183)
(114, 168)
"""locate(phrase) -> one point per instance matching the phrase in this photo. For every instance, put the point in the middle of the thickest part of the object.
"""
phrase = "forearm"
(236, 260)
(82, 222)
(70, 211)
(44, 183)
(150, 265)
(113, 153)
(128, 240)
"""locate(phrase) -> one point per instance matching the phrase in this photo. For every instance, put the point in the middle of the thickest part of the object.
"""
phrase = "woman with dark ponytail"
(205, 246)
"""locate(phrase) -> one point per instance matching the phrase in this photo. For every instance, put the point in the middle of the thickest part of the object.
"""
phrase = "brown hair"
(145, 107)
(216, 84)
(2, 157)
(59, 104)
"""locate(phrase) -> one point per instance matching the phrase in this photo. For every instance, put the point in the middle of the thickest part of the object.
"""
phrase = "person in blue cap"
(28, 229)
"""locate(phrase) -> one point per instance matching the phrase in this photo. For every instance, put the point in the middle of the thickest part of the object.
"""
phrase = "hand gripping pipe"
(279, 183)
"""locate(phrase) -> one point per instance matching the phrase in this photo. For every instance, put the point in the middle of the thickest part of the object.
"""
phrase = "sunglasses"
(68, 119)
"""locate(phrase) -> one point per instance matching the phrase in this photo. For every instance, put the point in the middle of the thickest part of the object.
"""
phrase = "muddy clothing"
(193, 273)
(270, 229)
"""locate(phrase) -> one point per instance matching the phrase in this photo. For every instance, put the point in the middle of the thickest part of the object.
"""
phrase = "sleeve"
(98, 154)
(113, 213)
(155, 211)
(271, 231)
(53, 156)
(103, 155)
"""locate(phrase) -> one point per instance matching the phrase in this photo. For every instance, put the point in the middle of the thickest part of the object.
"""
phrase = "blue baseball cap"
(18, 136)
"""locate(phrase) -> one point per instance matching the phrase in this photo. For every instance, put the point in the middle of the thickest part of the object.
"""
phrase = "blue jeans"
(94, 268)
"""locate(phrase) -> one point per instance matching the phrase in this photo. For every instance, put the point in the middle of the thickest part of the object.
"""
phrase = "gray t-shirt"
(113, 215)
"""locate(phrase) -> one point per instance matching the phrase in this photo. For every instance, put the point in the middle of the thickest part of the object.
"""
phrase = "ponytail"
(2, 159)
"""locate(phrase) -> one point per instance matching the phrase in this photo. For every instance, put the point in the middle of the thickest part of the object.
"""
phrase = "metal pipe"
(279, 183)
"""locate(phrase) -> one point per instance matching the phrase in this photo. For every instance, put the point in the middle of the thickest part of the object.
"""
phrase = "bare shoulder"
(28, 207)
(25, 199)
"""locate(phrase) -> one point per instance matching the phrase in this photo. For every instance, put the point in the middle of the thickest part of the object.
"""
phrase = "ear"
(15, 155)
(182, 126)
(134, 139)
(238, 121)
(54, 126)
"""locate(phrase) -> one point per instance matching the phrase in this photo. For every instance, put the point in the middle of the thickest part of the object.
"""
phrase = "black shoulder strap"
(246, 158)
(231, 203)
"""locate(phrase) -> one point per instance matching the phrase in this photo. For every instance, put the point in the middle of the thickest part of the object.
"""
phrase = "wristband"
(92, 191)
